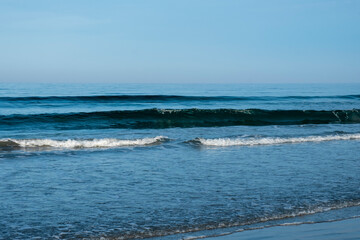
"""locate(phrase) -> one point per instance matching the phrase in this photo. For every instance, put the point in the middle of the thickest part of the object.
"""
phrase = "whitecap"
(224, 142)
(89, 143)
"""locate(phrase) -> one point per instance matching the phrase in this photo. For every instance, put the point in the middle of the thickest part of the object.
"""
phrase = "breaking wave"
(183, 118)
(224, 142)
(72, 143)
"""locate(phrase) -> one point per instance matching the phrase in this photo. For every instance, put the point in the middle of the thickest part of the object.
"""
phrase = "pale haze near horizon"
(197, 41)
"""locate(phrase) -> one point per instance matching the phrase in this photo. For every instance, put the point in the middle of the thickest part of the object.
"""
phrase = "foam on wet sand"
(335, 230)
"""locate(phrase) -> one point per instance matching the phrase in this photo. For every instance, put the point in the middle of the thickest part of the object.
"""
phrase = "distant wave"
(74, 143)
(163, 98)
(225, 142)
(183, 118)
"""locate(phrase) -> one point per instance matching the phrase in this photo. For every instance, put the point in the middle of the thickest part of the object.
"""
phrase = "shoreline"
(348, 228)
(253, 230)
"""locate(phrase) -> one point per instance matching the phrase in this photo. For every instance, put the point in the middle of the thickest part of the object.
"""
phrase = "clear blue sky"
(203, 41)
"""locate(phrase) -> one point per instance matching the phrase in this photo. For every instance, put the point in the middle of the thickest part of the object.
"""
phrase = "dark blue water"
(173, 161)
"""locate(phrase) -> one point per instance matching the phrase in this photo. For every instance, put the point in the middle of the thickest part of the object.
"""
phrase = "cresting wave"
(183, 118)
(165, 98)
(9, 144)
(72, 143)
(225, 142)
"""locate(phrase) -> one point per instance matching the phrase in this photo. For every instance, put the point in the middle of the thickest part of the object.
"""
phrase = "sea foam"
(74, 143)
(224, 142)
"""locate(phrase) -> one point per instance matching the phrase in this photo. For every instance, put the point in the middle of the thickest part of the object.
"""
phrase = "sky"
(187, 41)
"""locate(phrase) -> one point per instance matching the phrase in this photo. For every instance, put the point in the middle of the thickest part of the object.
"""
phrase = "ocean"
(172, 161)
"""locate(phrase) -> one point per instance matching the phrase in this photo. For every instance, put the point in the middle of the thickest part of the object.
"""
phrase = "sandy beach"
(344, 229)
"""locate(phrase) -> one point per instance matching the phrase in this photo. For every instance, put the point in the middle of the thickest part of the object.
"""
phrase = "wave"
(73, 143)
(225, 142)
(183, 118)
(165, 98)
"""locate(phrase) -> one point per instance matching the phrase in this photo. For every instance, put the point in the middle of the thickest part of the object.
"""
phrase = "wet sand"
(338, 230)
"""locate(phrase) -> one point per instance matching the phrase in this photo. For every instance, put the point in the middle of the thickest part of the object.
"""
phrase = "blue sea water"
(174, 161)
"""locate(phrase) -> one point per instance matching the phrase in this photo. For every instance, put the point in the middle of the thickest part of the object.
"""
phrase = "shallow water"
(136, 161)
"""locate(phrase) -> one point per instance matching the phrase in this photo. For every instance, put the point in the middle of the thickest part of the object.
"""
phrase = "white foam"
(224, 142)
(93, 143)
